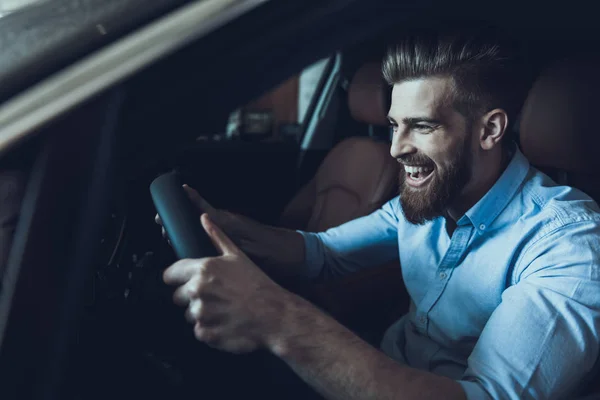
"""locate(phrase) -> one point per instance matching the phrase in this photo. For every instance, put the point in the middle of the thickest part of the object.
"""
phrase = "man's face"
(433, 143)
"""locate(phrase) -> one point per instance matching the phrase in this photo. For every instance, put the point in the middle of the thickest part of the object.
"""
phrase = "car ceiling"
(42, 39)
(258, 50)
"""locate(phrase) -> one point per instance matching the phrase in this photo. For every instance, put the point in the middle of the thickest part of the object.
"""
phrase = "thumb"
(218, 237)
(198, 201)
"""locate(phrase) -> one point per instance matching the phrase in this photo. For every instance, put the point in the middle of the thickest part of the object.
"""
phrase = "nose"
(401, 144)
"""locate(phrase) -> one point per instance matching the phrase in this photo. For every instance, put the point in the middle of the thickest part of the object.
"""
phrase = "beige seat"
(358, 175)
(559, 131)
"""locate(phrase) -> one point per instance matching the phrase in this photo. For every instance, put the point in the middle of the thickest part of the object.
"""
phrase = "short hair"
(486, 69)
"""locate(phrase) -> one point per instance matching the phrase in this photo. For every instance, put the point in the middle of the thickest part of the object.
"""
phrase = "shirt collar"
(485, 211)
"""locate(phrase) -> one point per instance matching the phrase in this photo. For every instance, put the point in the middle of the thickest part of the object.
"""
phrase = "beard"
(420, 206)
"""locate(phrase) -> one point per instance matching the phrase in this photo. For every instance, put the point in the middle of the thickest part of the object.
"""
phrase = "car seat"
(357, 176)
(559, 136)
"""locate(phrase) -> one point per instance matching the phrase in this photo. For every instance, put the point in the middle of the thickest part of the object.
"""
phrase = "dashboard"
(129, 323)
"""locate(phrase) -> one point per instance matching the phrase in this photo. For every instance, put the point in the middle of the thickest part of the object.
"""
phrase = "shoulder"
(562, 228)
(552, 207)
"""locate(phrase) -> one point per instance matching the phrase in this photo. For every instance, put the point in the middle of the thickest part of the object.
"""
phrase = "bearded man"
(500, 262)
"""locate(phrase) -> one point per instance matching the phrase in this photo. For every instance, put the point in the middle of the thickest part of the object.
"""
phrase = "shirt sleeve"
(367, 241)
(542, 340)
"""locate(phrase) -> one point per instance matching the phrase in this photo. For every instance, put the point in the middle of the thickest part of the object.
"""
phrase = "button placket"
(458, 246)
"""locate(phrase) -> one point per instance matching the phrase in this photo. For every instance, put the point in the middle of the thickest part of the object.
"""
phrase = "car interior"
(284, 122)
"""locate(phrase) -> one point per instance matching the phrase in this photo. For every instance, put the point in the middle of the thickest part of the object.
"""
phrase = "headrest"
(367, 95)
(559, 126)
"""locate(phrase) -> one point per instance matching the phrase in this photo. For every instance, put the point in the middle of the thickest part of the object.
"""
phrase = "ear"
(495, 123)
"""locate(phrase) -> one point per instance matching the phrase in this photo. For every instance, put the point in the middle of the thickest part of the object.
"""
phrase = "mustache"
(415, 159)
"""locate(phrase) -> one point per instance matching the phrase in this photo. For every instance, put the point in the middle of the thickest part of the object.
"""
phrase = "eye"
(423, 128)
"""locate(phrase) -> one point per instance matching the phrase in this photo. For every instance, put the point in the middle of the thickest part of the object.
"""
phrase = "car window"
(280, 113)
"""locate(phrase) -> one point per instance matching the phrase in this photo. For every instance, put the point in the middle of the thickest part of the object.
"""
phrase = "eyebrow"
(410, 121)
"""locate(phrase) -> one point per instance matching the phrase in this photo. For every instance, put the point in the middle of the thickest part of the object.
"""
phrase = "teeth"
(414, 170)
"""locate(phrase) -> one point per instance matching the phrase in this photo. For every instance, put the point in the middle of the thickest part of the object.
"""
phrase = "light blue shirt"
(509, 305)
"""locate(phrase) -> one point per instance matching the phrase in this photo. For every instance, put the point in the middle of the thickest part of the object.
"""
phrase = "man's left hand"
(233, 305)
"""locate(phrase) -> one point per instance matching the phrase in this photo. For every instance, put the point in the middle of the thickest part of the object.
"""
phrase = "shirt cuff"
(474, 391)
(314, 256)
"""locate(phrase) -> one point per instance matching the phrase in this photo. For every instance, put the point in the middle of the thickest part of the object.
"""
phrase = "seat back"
(358, 175)
(559, 134)
(558, 131)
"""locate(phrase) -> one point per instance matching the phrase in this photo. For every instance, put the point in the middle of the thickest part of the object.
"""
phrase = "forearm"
(339, 365)
(279, 251)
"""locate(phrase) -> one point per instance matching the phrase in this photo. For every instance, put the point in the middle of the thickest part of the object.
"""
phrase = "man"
(501, 264)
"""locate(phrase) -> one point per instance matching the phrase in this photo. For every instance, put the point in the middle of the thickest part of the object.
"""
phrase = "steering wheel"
(180, 218)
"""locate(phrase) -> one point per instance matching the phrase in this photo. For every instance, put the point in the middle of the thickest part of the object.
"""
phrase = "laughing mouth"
(417, 173)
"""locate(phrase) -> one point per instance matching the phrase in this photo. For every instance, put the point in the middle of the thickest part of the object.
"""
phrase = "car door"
(101, 108)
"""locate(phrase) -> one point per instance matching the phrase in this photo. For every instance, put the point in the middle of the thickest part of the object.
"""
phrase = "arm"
(339, 365)
(279, 251)
(541, 342)
(367, 241)
(543, 338)
(235, 307)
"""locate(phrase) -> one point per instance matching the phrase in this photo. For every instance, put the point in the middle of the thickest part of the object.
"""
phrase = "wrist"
(290, 247)
(276, 340)
(281, 251)
(295, 320)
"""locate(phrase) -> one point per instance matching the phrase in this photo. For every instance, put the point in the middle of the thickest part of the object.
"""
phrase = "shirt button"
(422, 319)
(443, 275)
(482, 227)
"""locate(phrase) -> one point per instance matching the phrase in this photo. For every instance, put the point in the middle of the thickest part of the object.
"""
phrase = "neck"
(477, 188)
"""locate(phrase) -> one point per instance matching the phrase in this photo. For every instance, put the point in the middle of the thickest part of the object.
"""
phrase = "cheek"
(452, 154)
(441, 162)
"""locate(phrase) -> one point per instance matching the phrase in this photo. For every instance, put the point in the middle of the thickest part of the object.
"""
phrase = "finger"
(198, 200)
(158, 220)
(205, 313)
(239, 346)
(183, 295)
(182, 271)
(165, 235)
(209, 335)
(195, 288)
(189, 316)
(214, 337)
(218, 237)
(194, 311)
